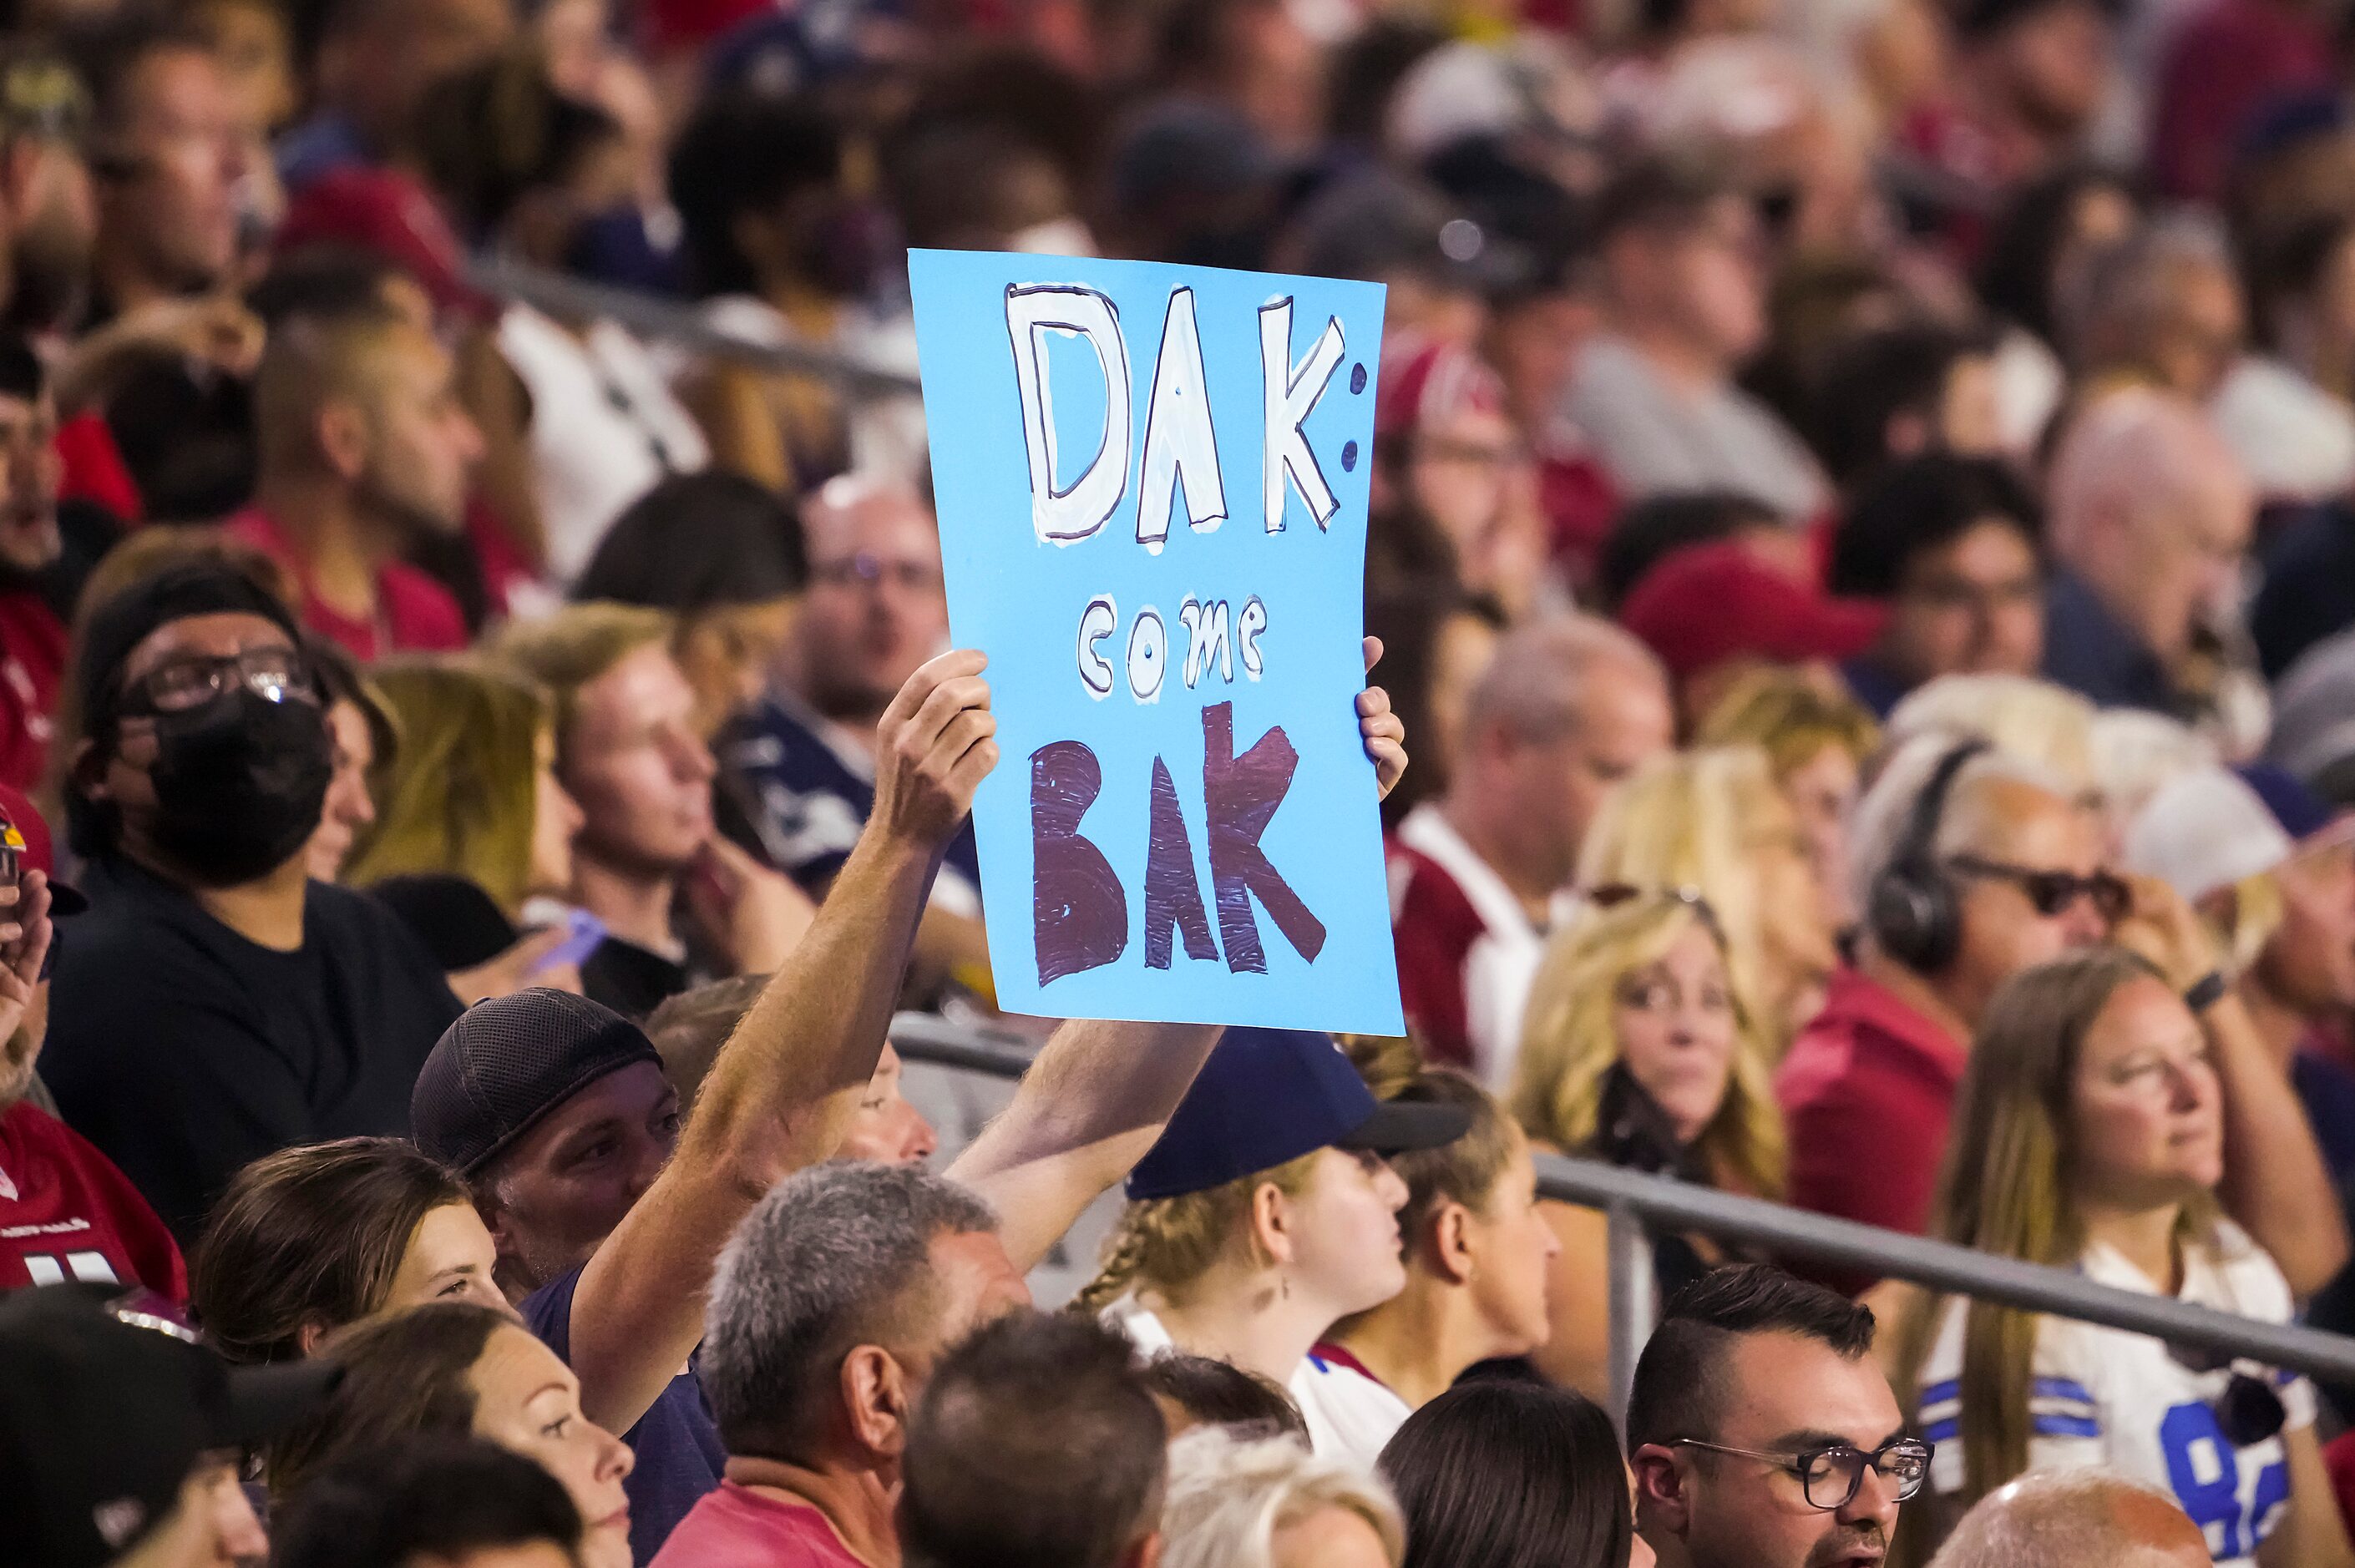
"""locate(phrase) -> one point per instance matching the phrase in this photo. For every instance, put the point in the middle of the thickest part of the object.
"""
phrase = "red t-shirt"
(94, 469)
(67, 1214)
(414, 613)
(32, 664)
(737, 1527)
(1867, 1091)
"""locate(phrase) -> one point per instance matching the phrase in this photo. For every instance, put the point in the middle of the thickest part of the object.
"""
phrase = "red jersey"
(1466, 948)
(32, 665)
(413, 612)
(67, 1214)
(1867, 1091)
(740, 1527)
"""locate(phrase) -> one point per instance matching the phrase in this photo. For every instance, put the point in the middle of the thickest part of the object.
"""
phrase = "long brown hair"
(403, 1375)
(461, 796)
(309, 1239)
(2009, 1189)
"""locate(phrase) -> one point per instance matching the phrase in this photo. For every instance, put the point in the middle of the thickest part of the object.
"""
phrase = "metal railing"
(1633, 1200)
(667, 321)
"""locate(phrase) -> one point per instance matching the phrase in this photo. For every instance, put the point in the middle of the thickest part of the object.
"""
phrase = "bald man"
(2148, 522)
(364, 449)
(2070, 1519)
(1565, 710)
(797, 767)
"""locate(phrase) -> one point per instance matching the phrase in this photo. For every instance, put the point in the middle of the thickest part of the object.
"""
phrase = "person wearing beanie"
(217, 1005)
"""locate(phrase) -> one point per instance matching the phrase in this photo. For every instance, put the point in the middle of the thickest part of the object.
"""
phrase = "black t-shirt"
(633, 980)
(184, 1051)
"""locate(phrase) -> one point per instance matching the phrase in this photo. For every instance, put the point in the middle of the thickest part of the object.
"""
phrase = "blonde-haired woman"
(475, 792)
(1817, 741)
(1714, 820)
(1269, 1503)
(1266, 1212)
(2089, 1134)
(1636, 1050)
(471, 796)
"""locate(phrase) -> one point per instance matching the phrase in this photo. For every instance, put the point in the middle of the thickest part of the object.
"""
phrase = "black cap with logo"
(106, 1405)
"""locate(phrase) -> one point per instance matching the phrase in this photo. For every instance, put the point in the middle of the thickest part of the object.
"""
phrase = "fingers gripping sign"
(936, 743)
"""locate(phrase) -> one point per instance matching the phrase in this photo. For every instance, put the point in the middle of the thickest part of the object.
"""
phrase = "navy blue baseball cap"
(1268, 1095)
(2302, 813)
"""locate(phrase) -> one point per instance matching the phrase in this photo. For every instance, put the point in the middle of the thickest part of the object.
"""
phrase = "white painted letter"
(1206, 640)
(1180, 447)
(1248, 626)
(1069, 516)
(1289, 392)
(1096, 623)
(1148, 655)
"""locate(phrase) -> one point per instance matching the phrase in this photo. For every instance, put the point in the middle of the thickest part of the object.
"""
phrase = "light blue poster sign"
(1151, 486)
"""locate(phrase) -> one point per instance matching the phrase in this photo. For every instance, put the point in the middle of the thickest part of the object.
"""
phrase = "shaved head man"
(876, 607)
(364, 449)
(2149, 523)
(2070, 1518)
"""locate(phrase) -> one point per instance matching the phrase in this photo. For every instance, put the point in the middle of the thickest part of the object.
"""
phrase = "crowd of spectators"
(1862, 552)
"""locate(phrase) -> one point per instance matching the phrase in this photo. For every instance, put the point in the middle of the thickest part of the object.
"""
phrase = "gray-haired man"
(831, 1306)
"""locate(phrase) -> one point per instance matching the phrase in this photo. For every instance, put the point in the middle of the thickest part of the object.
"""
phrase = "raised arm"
(2277, 1183)
(1098, 1096)
(1087, 1110)
(782, 1089)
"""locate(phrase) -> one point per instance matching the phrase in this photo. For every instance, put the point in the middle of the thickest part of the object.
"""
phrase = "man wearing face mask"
(216, 1005)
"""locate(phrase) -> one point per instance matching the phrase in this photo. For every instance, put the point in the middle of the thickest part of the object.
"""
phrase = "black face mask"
(239, 784)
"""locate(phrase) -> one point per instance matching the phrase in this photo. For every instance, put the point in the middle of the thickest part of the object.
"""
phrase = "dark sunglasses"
(1613, 895)
(2053, 892)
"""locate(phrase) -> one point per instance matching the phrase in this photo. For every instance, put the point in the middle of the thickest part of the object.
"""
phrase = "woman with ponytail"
(1267, 1212)
(2089, 1134)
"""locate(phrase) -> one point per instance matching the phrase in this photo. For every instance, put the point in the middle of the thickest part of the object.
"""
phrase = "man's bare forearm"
(779, 1097)
(1087, 1111)
(2276, 1183)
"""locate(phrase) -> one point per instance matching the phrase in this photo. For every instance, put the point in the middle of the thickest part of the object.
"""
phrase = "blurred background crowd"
(1863, 542)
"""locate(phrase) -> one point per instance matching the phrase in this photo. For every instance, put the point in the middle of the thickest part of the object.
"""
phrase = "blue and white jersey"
(2101, 1396)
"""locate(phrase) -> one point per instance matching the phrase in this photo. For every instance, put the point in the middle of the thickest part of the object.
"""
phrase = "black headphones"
(1914, 912)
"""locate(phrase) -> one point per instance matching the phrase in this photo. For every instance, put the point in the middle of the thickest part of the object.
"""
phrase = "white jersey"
(2101, 1396)
(1342, 1419)
(1352, 1414)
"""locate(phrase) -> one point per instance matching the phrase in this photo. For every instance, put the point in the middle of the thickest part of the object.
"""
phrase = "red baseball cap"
(24, 830)
(394, 216)
(1707, 603)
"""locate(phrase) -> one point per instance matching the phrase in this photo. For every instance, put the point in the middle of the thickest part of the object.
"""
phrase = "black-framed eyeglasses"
(2053, 892)
(182, 686)
(1830, 1476)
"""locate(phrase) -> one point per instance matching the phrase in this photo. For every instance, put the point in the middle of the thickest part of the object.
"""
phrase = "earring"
(1284, 1282)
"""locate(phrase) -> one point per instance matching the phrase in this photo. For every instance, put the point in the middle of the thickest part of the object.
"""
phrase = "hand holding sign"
(932, 748)
(1383, 731)
(1152, 493)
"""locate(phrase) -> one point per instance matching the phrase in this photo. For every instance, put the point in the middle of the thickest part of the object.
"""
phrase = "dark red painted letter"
(1240, 794)
(1173, 894)
(1079, 915)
